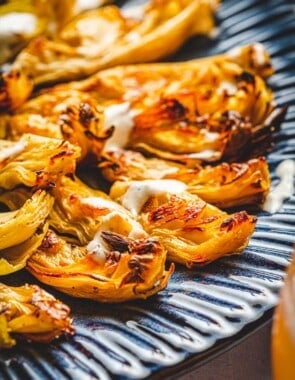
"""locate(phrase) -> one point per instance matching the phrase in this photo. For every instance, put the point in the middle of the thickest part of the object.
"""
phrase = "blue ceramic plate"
(204, 310)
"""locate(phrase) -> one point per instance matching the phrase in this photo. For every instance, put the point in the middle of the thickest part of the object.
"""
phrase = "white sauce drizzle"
(227, 86)
(284, 190)
(13, 150)
(100, 203)
(17, 23)
(140, 191)
(84, 5)
(97, 246)
(205, 154)
(136, 12)
(210, 136)
(121, 117)
(259, 54)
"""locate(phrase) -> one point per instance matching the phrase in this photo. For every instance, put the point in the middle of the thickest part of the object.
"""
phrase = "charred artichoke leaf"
(80, 212)
(147, 83)
(28, 312)
(116, 37)
(19, 225)
(15, 88)
(14, 258)
(224, 185)
(111, 268)
(75, 117)
(193, 232)
(40, 17)
(36, 161)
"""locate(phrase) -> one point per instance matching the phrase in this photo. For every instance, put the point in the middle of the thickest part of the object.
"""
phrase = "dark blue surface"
(200, 308)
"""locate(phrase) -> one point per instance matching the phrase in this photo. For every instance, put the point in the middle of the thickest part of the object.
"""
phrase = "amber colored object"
(283, 332)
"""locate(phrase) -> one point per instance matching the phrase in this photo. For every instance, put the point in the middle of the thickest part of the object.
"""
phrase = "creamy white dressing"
(121, 117)
(210, 136)
(140, 191)
(136, 12)
(284, 190)
(13, 150)
(133, 37)
(227, 86)
(84, 5)
(99, 203)
(259, 54)
(206, 154)
(17, 23)
(97, 246)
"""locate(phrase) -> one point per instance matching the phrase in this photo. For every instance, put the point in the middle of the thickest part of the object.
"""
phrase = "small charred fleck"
(174, 108)
(115, 241)
(50, 241)
(85, 113)
(227, 224)
(246, 77)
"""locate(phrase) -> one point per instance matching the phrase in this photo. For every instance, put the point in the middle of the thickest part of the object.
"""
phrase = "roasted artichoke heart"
(107, 37)
(15, 88)
(74, 116)
(111, 268)
(193, 231)
(80, 211)
(36, 161)
(101, 251)
(19, 225)
(22, 20)
(224, 185)
(28, 312)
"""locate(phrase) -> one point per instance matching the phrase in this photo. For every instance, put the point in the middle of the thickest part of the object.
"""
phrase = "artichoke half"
(23, 228)
(100, 251)
(193, 231)
(28, 312)
(224, 185)
(108, 36)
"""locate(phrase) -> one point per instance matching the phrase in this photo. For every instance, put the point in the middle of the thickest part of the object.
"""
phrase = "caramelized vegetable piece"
(28, 312)
(224, 185)
(143, 34)
(36, 161)
(31, 18)
(15, 257)
(101, 252)
(24, 220)
(116, 269)
(73, 116)
(15, 88)
(193, 231)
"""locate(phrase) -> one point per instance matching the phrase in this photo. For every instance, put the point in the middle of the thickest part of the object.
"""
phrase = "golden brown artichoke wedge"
(80, 212)
(181, 111)
(193, 231)
(114, 268)
(73, 116)
(19, 225)
(15, 257)
(36, 161)
(15, 88)
(28, 312)
(107, 37)
(224, 185)
(100, 251)
(30, 18)
(148, 83)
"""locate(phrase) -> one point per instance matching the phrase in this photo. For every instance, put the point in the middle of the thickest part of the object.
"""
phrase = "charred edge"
(247, 77)
(50, 241)
(86, 115)
(174, 108)
(115, 241)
